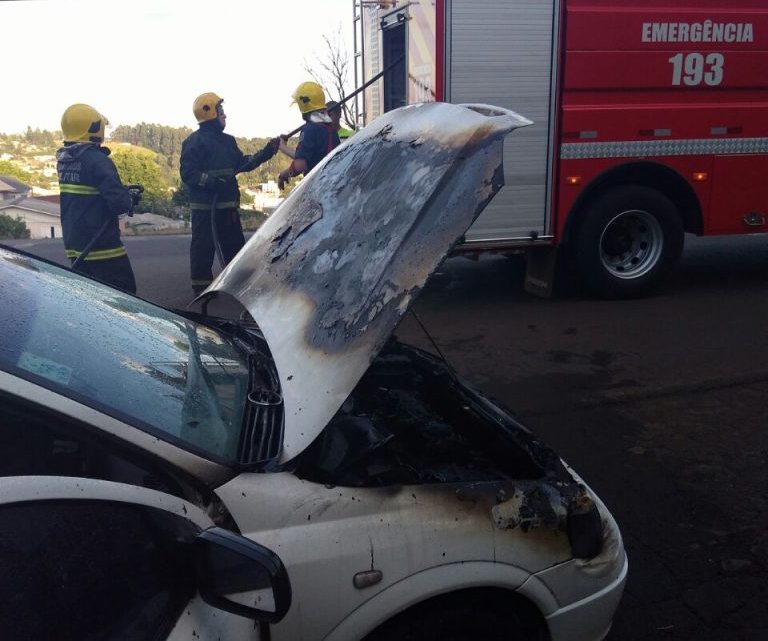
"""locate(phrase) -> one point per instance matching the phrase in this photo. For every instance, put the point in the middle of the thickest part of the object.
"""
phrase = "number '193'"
(693, 69)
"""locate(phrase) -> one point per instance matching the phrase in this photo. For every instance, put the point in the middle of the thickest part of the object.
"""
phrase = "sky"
(146, 60)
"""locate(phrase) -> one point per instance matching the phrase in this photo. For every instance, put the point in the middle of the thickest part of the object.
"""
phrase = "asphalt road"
(660, 404)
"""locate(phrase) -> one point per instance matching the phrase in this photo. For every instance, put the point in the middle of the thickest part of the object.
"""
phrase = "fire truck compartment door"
(502, 53)
(739, 196)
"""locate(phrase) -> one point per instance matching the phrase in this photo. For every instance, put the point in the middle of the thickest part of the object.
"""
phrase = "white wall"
(39, 225)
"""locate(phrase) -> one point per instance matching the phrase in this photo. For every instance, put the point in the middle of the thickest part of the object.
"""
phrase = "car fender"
(436, 581)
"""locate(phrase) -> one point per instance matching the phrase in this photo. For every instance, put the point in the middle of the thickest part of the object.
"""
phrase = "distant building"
(51, 198)
(270, 188)
(11, 189)
(266, 198)
(42, 218)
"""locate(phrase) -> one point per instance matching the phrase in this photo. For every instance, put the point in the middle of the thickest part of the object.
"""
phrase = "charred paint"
(371, 265)
(409, 421)
(532, 505)
(307, 213)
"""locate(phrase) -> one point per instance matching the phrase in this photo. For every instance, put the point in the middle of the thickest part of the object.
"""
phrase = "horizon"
(110, 130)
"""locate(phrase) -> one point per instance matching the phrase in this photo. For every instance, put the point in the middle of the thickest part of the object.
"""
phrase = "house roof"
(11, 184)
(33, 204)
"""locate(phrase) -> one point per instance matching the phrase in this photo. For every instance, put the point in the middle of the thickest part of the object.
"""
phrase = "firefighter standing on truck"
(210, 161)
(92, 198)
(318, 135)
(333, 109)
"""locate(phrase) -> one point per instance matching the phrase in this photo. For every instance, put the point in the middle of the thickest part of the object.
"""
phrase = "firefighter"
(318, 135)
(333, 110)
(210, 161)
(92, 198)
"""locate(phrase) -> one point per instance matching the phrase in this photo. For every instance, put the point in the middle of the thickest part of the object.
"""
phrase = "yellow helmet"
(82, 123)
(309, 96)
(205, 105)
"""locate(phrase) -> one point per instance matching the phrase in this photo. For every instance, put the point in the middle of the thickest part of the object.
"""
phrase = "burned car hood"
(328, 276)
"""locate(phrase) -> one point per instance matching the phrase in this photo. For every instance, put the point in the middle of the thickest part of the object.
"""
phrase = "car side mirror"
(240, 576)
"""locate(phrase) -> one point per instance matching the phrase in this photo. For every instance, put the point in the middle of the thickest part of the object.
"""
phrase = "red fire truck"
(651, 120)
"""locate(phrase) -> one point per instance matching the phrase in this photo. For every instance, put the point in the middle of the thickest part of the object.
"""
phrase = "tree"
(330, 69)
(268, 170)
(162, 139)
(137, 166)
(8, 168)
(39, 138)
(12, 227)
(31, 179)
(167, 141)
(251, 220)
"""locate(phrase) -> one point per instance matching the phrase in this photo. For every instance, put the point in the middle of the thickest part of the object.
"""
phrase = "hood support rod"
(429, 336)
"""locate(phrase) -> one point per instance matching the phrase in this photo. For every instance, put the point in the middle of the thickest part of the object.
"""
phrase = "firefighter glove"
(273, 145)
(134, 191)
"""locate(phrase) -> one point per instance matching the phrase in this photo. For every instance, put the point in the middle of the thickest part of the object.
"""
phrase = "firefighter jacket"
(316, 141)
(210, 160)
(92, 196)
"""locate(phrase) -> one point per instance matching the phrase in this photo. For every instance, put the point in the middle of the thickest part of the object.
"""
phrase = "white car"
(403, 503)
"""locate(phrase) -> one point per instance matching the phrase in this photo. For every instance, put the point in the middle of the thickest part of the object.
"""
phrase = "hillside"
(146, 153)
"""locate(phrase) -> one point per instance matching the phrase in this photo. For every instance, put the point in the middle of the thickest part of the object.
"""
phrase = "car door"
(93, 560)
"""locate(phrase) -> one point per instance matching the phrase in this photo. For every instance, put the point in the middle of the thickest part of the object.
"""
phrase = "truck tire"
(628, 239)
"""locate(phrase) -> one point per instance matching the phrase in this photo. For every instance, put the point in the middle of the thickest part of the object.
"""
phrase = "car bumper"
(588, 619)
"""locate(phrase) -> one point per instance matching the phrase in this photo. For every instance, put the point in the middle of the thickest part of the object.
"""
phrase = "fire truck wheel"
(629, 238)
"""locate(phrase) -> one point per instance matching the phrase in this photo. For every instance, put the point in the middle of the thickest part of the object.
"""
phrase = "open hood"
(329, 275)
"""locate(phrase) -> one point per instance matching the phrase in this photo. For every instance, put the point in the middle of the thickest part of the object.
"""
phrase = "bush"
(12, 227)
(251, 220)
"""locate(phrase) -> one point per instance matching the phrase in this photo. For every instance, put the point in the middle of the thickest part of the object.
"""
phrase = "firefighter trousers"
(113, 271)
(229, 234)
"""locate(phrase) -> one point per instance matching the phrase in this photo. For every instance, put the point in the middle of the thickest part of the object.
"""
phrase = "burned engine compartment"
(410, 420)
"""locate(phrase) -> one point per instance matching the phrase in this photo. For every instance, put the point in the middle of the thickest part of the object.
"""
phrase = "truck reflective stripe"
(650, 148)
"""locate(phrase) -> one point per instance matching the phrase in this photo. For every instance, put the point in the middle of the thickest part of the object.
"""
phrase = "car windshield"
(185, 382)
